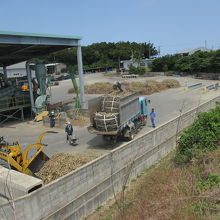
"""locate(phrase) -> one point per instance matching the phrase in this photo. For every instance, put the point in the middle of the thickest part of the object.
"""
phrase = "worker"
(153, 118)
(117, 85)
(12, 101)
(68, 130)
(52, 119)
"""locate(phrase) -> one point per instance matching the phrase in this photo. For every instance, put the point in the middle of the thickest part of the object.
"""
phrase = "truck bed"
(92, 130)
(128, 108)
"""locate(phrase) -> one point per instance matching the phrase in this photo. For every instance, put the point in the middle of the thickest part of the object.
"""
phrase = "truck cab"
(143, 102)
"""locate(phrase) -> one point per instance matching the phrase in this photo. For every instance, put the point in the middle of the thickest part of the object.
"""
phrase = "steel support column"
(30, 84)
(5, 73)
(80, 72)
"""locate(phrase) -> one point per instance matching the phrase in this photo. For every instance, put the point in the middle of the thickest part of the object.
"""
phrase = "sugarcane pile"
(108, 119)
(63, 163)
(119, 93)
(110, 104)
(105, 121)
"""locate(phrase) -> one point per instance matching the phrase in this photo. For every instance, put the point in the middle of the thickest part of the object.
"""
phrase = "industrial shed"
(16, 47)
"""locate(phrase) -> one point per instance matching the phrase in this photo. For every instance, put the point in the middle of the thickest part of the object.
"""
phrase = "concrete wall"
(154, 74)
(78, 193)
(16, 184)
(215, 76)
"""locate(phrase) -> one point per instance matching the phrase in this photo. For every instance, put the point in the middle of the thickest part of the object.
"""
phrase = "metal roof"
(51, 64)
(193, 50)
(21, 65)
(16, 47)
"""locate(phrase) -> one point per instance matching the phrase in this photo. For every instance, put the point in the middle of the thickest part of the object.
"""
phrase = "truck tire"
(144, 122)
(4, 163)
(131, 136)
(106, 138)
(113, 139)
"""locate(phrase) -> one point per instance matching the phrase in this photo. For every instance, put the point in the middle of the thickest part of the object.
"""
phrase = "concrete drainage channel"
(211, 87)
(80, 192)
(195, 86)
(199, 85)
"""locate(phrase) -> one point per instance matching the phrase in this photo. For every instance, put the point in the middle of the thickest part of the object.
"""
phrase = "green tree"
(104, 54)
(197, 62)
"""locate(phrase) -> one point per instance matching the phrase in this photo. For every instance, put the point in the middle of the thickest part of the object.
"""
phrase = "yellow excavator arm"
(30, 160)
(42, 135)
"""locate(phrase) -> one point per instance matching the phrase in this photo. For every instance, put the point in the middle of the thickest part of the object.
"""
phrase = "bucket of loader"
(37, 162)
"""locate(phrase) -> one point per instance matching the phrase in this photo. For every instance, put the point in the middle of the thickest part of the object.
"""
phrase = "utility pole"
(119, 63)
(149, 50)
(205, 44)
(159, 51)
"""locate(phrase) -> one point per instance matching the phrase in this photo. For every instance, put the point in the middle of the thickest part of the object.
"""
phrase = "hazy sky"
(172, 25)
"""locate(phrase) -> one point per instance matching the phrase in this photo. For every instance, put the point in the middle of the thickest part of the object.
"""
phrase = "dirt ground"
(80, 121)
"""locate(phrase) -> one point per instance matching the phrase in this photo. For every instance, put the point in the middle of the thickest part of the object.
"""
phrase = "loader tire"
(5, 164)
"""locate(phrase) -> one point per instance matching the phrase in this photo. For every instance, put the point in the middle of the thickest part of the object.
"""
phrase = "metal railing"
(14, 102)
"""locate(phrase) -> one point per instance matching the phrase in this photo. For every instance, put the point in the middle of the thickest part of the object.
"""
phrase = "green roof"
(39, 35)
(16, 47)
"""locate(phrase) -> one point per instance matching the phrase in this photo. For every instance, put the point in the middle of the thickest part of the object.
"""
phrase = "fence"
(78, 193)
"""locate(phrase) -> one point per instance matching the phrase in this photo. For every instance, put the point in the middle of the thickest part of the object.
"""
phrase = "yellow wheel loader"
(28, 161)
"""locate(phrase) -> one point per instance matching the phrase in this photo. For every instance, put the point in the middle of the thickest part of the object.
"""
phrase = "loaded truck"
(116, 116)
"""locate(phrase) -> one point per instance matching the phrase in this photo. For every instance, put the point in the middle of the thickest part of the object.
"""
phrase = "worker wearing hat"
(68, 130)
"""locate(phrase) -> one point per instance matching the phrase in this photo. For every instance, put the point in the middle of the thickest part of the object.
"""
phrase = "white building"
(15, 70)
(55, 68)
(192, 51)
(19, 69)
(143, 63)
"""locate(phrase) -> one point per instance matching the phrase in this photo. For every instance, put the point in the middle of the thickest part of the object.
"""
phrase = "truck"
(116, 116)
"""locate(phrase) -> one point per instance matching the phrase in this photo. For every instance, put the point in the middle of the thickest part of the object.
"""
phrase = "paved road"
(60, 92)
(167, 105)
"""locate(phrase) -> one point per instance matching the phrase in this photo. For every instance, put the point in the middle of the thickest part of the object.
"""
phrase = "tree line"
(197, 62)
(105, 54)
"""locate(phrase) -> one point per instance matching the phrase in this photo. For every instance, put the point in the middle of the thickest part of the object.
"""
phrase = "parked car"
(63, 77)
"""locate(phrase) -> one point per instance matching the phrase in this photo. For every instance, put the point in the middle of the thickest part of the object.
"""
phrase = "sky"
(171, 25)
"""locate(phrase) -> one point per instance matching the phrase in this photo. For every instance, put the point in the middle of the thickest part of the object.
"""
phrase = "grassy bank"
(168, 191)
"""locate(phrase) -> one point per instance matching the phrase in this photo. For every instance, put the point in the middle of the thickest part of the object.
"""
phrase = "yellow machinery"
(40, 116)
(25, 87)
(13, 156)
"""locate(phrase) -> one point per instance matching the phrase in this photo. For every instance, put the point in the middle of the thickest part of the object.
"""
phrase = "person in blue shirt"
(68, 130)
(153, 118)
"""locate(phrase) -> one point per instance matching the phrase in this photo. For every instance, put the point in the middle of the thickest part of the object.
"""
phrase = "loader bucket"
(38, 162)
